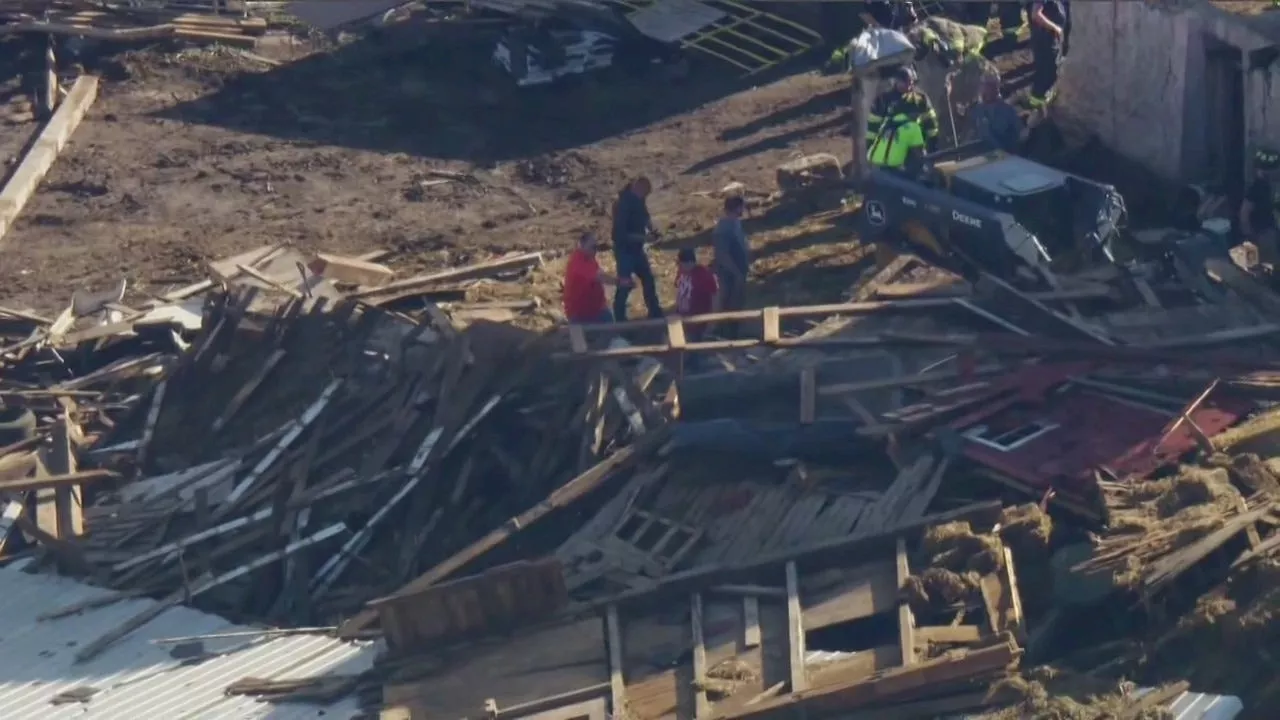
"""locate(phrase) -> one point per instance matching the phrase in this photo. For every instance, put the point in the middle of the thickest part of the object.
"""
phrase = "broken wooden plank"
(44, 151)
(246, 391)
(351, 270)
(469, 272)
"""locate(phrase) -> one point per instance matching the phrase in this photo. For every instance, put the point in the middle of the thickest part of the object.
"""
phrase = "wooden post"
(67, 500)
(617, 681)
(795, 632)
(701, 704)
(858, 170)
(49, 91)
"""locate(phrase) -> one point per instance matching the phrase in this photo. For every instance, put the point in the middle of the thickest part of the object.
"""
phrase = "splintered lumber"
(572, 490)
(40, 158)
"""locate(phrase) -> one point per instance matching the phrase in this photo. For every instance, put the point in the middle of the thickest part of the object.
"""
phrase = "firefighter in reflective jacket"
(901, 124)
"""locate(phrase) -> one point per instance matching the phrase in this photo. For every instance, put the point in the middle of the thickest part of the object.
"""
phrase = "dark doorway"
(1224, 121)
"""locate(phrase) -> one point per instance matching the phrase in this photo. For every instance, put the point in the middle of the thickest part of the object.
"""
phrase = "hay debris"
(1198, 486)
(726, 677)
(1026, 529)
(1046, 694)
(955, 547)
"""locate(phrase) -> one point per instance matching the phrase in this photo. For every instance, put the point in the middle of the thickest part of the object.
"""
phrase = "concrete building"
(1184, 87)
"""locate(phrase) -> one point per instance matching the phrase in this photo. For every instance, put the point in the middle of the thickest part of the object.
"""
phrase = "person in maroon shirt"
(584, 282)
(695, 290)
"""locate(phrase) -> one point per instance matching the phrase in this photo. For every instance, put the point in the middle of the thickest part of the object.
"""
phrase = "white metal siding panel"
(136, 679)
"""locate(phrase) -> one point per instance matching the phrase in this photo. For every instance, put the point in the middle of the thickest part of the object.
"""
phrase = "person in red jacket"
(695, 290)
(584, 282)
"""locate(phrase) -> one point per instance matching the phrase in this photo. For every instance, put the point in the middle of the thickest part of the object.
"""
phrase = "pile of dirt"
(555, 169)
(1044, 693)
(954, 559)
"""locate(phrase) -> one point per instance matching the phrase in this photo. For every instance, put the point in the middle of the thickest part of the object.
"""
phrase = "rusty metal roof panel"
(136, 678)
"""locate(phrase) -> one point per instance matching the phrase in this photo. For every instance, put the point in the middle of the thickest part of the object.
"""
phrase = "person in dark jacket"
(1048, 19)
(995, 121)
(632, 228)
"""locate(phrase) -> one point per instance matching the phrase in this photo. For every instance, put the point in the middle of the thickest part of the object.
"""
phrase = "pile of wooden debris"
(294, 466)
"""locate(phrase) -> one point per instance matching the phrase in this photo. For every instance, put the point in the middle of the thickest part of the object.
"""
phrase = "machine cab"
(1069, 215)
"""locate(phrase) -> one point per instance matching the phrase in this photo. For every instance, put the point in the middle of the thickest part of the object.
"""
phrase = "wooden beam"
(62, 481)
(701, 705)
(795, 632)
(467, 272)
(617, 681)
(906, 620)
(52, 138)
(947, 634)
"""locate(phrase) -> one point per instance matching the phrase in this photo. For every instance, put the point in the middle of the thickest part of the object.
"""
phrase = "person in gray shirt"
(995, 120)
(732, 259)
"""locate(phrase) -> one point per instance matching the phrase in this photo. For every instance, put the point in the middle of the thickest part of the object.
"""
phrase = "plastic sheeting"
(878, 44)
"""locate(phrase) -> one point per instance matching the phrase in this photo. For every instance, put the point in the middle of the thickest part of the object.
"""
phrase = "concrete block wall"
(1126, 81)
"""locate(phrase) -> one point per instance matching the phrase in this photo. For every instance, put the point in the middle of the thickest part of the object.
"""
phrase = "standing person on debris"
(584, 282)
(1258, 212)
(1048, 20)
(696, 289)
(632, 228)
(732, 259)
(900, 123)
(1009, 13)
(995, 121)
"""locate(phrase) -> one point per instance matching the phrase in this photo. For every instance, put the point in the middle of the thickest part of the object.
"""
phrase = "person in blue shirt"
(995, 121)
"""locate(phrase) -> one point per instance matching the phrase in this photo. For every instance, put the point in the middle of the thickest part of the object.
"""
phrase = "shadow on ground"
(441, 97)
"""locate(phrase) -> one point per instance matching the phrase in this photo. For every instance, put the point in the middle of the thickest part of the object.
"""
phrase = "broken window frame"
(976, 434)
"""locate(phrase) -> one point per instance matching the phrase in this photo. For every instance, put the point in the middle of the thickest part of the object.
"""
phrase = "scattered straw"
(1027, 529)
(1198, 486)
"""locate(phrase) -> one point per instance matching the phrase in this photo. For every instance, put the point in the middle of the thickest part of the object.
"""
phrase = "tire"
(16, 425)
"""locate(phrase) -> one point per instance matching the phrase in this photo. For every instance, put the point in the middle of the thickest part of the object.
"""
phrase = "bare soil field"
(420, 148)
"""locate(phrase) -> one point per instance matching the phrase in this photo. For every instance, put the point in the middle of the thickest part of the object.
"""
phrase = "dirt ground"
(193, 154)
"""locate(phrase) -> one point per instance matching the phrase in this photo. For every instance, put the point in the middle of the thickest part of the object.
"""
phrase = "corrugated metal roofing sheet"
(137, 680)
